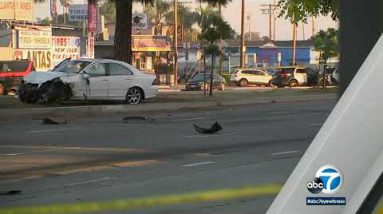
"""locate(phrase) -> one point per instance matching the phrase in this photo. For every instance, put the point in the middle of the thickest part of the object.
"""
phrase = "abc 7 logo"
(328, 180)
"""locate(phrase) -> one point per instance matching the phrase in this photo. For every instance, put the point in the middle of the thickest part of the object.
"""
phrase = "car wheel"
(270, 84)
(243, 82)
(134, 96)
(2, 89)
(293, 83)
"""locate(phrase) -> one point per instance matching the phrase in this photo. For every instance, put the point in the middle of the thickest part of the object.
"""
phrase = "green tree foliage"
(326, 42)
(299, 10)
(213, 29)
(186, 17)
(108, 10)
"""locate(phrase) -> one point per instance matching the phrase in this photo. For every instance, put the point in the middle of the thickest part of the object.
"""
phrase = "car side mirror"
(85, 75)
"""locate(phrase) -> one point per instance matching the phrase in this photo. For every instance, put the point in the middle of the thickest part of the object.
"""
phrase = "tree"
(299, 10)
(157, 11)
(216, 3)
(213, 29)
(123, 34)
(326, 42)
(108, 9)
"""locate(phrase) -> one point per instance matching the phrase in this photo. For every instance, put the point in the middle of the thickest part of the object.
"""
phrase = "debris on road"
(213, 129)
(49, 121)
(11, 192)
(137, 118)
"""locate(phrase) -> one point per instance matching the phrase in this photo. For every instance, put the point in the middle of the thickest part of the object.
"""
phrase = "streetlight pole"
(175, 41)
(241, 64)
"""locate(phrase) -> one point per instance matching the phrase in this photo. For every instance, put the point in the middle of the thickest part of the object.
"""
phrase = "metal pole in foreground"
(175, 67)
(241, 64)
(294, 43)
(211, 75)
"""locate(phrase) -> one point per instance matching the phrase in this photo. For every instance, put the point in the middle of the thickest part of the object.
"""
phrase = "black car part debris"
(137, 118)
(213, 129)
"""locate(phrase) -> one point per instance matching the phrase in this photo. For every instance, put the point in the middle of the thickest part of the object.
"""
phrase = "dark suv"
(295, 76)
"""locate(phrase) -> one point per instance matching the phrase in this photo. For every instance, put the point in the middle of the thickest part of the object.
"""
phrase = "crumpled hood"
(42, 77)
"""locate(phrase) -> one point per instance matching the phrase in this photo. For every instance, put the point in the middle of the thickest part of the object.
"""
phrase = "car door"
(262, 78)
(301, 76)
(248, 75)
(97, 82)
(119, 80)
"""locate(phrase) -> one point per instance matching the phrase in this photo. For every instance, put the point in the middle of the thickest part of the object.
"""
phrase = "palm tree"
(123, 34)
(157, 11)
(217, 3)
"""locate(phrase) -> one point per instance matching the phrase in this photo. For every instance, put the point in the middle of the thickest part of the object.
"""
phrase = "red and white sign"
(65, 47)
(91, 47)
(92, 16)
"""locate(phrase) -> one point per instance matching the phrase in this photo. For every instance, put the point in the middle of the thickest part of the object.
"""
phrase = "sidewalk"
(169, 102)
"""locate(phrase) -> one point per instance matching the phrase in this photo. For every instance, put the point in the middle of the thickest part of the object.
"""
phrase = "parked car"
(295, 76)
(196, 83)
(12, 73)
(89, 79)
(245, 76)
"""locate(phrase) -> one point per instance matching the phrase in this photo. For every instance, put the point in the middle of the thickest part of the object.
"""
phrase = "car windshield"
(72, 67)
(200, 77)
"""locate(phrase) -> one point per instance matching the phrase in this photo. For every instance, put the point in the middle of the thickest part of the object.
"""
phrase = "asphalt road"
(104, 158)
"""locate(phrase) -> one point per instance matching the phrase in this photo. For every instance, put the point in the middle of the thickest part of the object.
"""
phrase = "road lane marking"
(51, 130)
(152, 201)
(284, 153)
(23, 153)
(212, 135)
(189, 119)
(89, 182)
(198, 164)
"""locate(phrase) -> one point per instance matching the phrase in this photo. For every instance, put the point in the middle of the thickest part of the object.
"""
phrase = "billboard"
(65, 47)
(34, 39)
(17, 10)
(78, 12)
(151, 43)
(42, 59)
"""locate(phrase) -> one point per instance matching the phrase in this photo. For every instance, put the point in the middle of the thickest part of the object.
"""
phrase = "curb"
(154, 107)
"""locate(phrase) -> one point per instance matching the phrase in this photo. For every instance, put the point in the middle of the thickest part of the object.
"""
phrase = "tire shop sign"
(65, 47)
(42, 59)
(34, 39)
(21, 10)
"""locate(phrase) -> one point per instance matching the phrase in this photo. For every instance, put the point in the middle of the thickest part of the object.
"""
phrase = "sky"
(232, 14)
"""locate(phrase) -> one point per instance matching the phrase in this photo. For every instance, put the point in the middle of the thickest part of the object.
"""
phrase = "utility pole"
(294, 42)
(313, 25)
(303, 31)
(274, 20)
(175, 41)
(241, 63)
(269, 9)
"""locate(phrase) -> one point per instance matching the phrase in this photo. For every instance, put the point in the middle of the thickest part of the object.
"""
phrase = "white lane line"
(315, 124)
(89, 182)
(212, 135)
(198, 164)
(284, 153)
(51, 130)
(23, 153)
(189, 119)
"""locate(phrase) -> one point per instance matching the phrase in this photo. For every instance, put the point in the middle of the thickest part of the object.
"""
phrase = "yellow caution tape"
(166, 200)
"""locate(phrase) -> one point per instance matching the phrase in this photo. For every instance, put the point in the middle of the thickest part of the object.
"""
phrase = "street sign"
(78, 12)
(140, 21)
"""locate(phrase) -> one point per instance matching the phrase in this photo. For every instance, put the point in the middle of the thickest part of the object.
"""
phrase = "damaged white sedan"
(89, 79)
